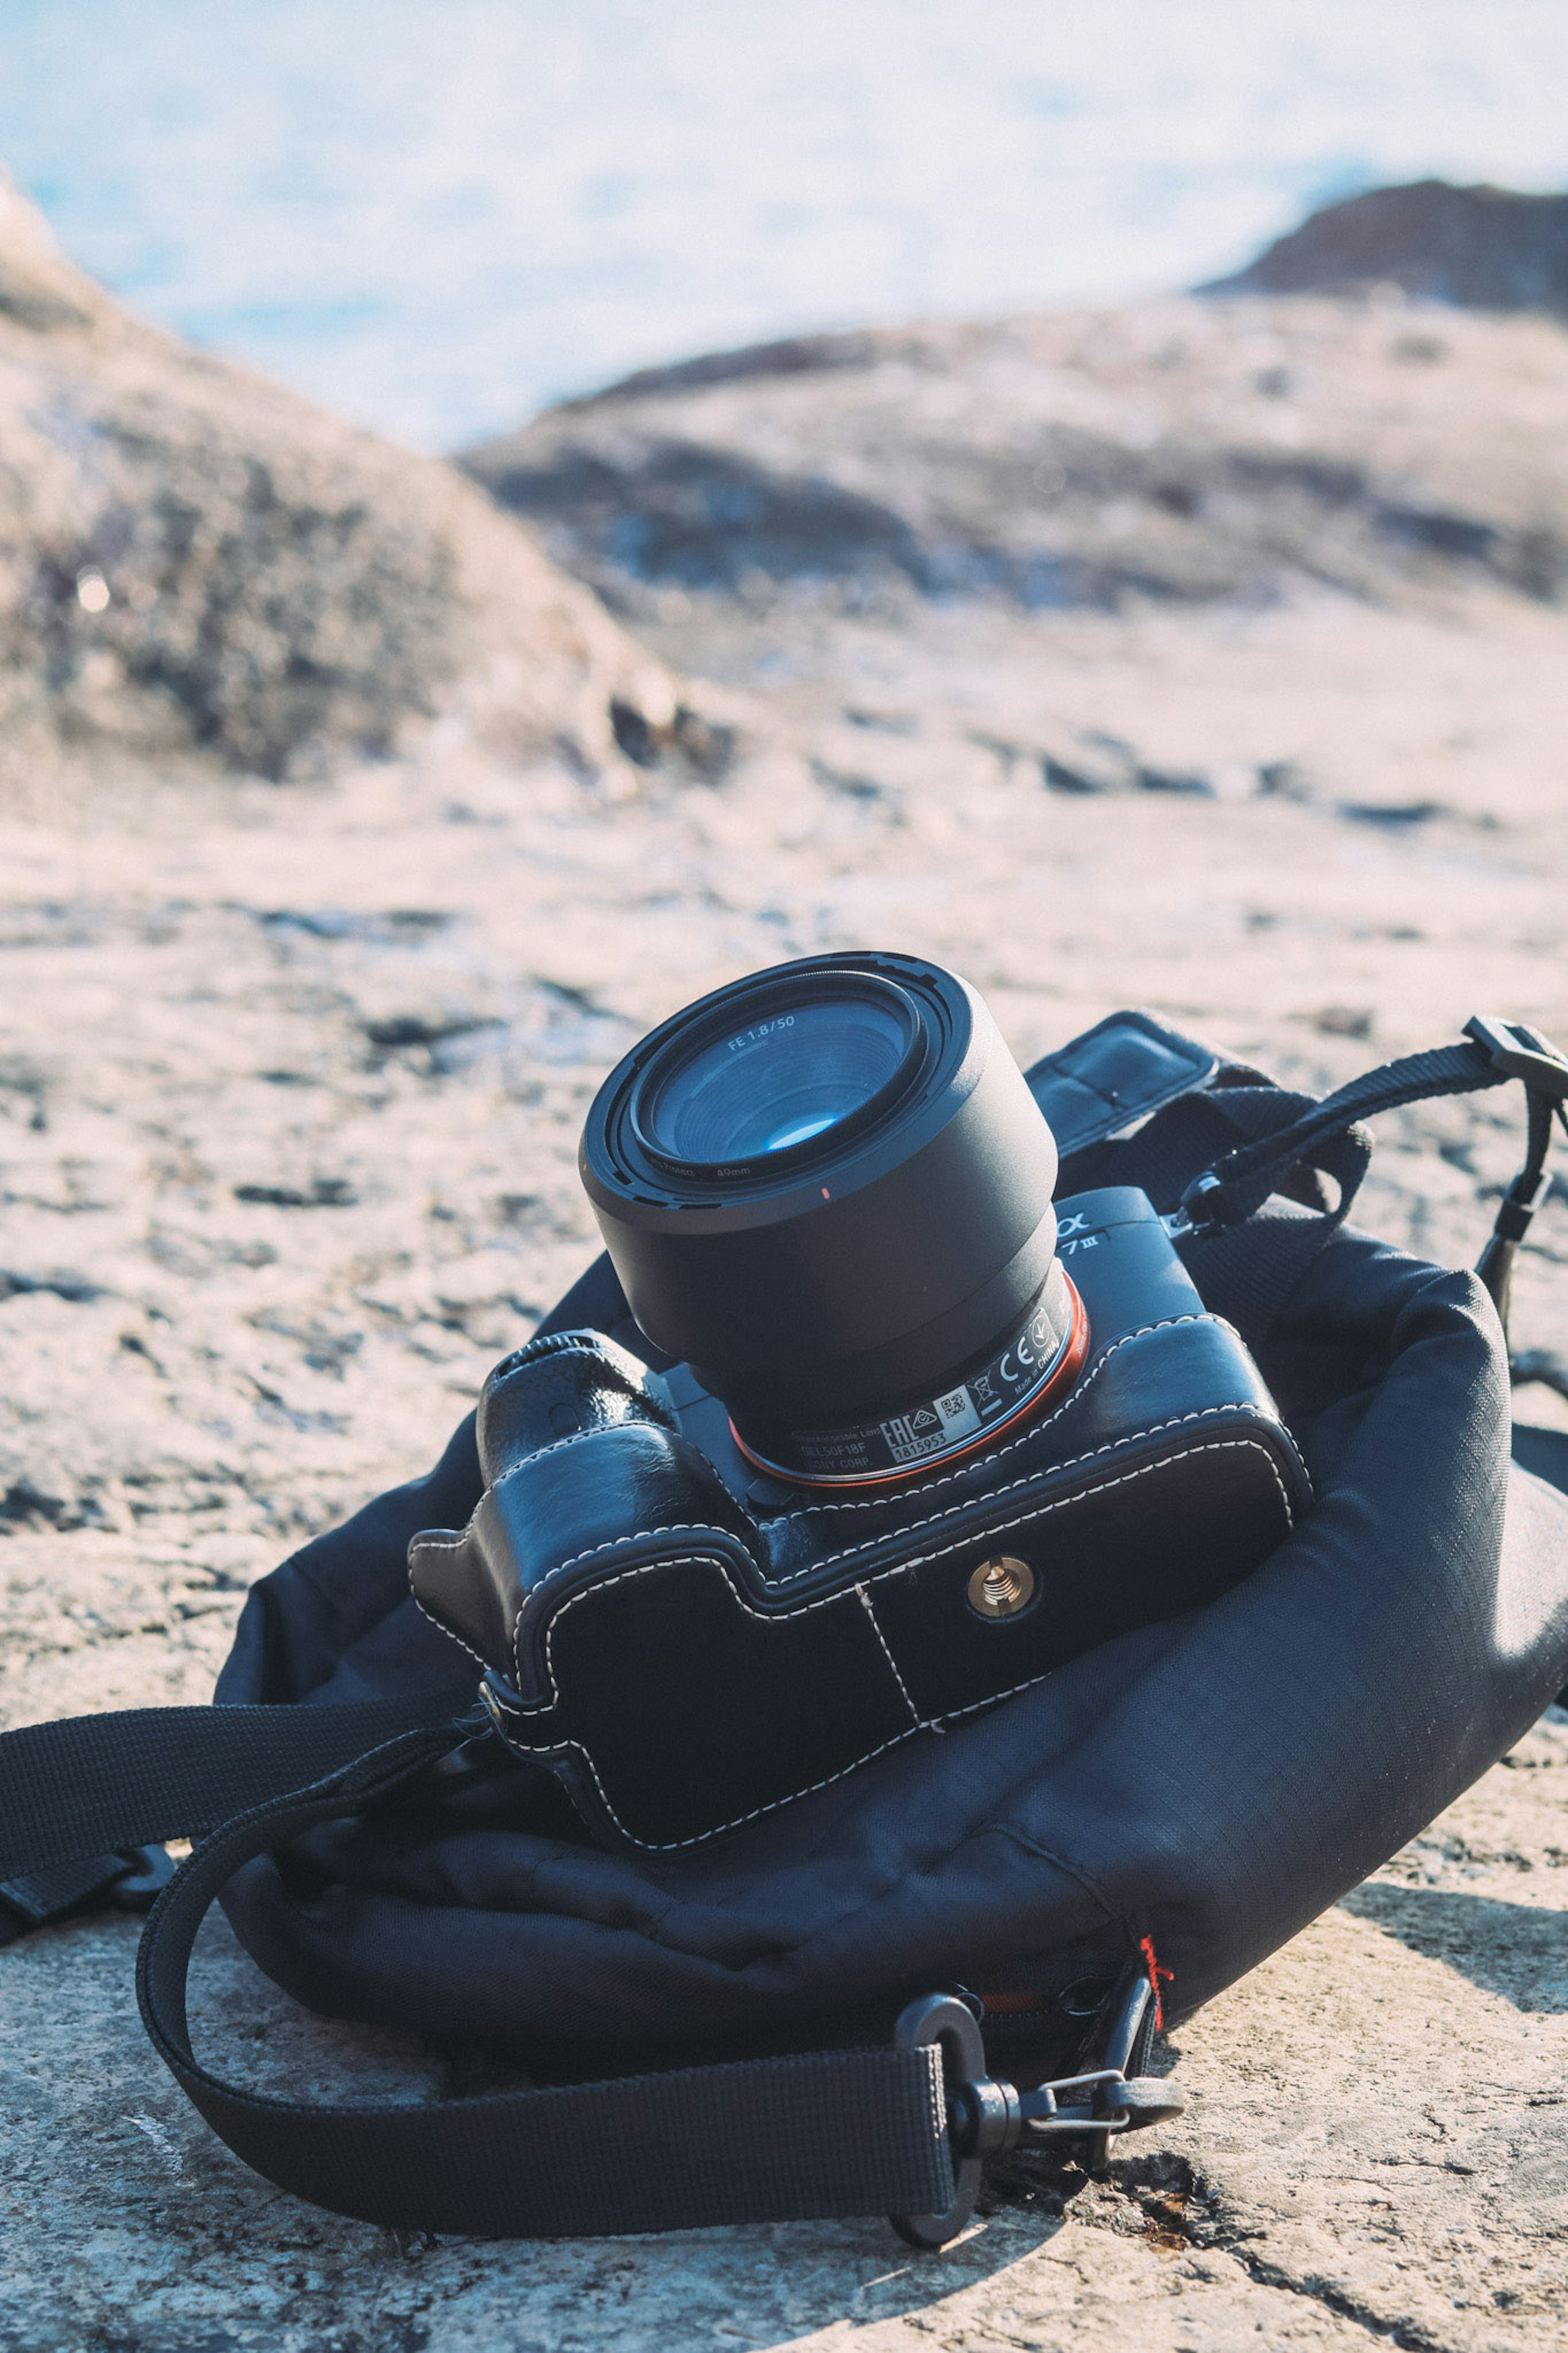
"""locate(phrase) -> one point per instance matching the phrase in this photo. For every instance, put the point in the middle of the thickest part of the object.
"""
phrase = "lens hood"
(873, 1209)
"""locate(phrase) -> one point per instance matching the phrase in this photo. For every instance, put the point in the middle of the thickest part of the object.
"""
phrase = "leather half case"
(688, 1645)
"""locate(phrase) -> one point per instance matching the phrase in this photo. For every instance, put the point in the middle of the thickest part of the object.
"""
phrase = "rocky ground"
(290, 1078)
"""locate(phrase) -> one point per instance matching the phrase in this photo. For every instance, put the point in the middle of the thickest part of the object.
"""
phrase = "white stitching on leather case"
(687, 1560)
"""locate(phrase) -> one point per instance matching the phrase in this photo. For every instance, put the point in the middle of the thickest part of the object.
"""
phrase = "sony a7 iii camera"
(896, 1434)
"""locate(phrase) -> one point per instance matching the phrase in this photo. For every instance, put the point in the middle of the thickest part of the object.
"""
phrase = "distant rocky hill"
(1485, 249)
(1179, 450)
(193, 559)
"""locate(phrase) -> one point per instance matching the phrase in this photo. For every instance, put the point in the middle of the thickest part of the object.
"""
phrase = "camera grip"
(580, 1460)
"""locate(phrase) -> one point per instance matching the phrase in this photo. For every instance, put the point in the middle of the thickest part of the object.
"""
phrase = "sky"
(437, 215)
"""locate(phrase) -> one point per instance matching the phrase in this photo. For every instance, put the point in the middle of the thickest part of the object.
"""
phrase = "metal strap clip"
(987, 2116)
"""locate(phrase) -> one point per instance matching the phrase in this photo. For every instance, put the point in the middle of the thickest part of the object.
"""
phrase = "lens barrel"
(829, 1190)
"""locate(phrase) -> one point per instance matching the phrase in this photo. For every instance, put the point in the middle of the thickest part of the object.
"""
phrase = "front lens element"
(792, 1074)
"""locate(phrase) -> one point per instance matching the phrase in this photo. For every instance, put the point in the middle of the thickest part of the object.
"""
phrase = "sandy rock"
(1486, 248)
(1172, 452)
(193, 560)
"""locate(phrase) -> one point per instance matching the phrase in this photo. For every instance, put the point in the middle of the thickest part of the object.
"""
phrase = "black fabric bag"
(1121, 1842)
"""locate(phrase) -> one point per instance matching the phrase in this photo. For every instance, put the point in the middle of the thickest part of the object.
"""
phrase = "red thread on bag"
(1155, 1973)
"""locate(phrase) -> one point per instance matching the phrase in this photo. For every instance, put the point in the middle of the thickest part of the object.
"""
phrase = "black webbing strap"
(91, 1784)
(1239, 1184)
(810, 2136)
(1247, 1259)
(813, 2135)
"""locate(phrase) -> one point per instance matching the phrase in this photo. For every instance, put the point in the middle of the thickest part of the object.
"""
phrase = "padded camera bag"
(710, 2036)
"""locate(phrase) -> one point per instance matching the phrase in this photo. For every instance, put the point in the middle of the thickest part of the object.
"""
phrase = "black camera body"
(688, 1641)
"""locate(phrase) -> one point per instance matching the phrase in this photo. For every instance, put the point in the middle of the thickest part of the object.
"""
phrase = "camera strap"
(818, 2134)
(1331, 1137)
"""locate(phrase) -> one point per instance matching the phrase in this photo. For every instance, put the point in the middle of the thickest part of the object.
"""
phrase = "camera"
(899, 1433)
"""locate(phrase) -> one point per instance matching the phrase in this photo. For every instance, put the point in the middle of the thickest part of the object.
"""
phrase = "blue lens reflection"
(778, 1082)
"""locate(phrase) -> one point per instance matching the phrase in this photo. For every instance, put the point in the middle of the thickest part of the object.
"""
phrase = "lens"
(828, 1188)
(777, 1082)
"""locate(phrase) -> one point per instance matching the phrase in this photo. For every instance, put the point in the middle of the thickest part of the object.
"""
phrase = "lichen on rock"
(193, 559)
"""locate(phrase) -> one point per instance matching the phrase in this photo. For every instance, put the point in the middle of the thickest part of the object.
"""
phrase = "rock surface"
(1486, 249)
(193, 560)
(1173, 453)
(289, 1087)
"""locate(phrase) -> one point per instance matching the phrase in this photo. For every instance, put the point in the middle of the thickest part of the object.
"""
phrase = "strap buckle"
(1190, 1217)
(130, 1880)
(1117, 2106)
(1521, 1053)
(987, 2116)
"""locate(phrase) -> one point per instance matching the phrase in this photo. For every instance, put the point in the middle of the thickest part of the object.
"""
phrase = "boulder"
(1176, 452)
(1483, 249)
(193, 559)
